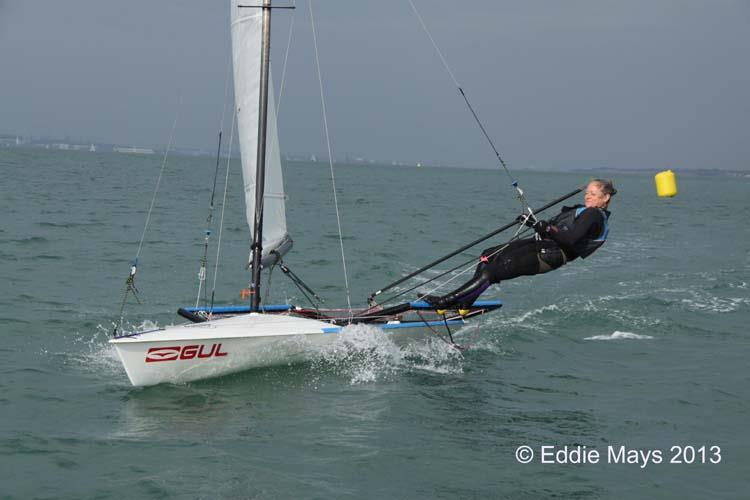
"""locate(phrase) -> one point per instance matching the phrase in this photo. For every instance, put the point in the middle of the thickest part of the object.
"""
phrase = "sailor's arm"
(588, 223)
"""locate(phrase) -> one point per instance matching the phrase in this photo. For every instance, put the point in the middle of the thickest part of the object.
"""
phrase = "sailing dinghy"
(228, 339)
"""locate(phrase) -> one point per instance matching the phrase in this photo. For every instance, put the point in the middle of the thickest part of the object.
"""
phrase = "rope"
(129, 288)
(514, 183)
(302, 286)
(298, 281)
(330, 159)
(268, 284)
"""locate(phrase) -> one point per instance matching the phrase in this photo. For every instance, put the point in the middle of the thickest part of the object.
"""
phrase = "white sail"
(246, 51)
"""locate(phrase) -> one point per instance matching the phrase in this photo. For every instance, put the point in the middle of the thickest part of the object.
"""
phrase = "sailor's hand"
(527, 220)
(542, 227)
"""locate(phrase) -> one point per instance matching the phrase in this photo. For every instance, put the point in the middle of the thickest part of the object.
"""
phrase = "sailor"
(575, 232)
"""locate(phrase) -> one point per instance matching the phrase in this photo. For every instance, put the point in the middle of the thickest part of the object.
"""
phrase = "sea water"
(642, 347)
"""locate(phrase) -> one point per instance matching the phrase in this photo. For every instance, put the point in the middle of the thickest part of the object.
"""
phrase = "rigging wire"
(209, 219)
(330, 158)
(514, 182)
(497, 250)
(223, 210)
(275, 137)
(287, 272)
(158, 180)
(286, 59)
(130, 281)
(468, 264)
(207, 231)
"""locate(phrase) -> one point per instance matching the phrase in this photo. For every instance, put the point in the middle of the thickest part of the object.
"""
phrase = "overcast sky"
(579, 83)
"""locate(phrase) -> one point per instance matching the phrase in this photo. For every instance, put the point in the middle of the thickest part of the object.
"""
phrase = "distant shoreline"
(297, 159)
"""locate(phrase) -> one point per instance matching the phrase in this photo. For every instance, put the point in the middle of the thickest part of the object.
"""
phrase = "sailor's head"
(599, 192)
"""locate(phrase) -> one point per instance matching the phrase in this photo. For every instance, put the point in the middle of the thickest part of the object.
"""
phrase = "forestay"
(246, 52)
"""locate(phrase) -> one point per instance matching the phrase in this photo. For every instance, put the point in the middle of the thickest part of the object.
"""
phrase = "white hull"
(199, 351)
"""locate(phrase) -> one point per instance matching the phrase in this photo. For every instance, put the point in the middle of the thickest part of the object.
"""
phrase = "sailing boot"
(433, 300)
(464, 296)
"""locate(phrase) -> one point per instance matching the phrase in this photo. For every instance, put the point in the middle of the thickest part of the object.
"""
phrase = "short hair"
(606, 185)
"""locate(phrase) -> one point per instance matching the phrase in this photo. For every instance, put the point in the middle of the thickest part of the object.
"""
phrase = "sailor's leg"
(467, 293)
(518, 259)
(479, 282)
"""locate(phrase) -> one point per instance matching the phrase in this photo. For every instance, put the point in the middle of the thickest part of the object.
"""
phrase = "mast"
(260, 177)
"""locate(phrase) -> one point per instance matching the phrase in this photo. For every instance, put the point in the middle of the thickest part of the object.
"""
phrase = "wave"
(708, 303)
(617, 335)
(47, 257)
(30, 240)
(69, 225)
(533, 313)
(668, 303)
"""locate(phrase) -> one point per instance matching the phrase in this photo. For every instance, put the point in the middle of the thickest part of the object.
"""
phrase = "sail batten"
(246, 57)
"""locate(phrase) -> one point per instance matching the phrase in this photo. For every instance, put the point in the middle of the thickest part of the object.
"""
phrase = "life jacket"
(565, 220)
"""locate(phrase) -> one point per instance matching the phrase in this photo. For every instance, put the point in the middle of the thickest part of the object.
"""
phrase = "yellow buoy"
(666, 184)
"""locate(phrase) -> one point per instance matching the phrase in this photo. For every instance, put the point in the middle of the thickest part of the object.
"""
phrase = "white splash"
(94, 353)
(617, 335)
(366, 354)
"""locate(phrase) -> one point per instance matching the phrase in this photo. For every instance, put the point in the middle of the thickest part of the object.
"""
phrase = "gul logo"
(158, 354)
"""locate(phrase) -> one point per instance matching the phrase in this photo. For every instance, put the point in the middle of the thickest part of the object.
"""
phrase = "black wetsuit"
(575, 232)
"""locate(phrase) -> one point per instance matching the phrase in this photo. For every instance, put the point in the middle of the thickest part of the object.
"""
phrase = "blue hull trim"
(239, 309)
(479, 304)
(397, 326)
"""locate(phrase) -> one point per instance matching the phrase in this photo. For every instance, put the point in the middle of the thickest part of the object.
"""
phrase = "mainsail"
(246, 54)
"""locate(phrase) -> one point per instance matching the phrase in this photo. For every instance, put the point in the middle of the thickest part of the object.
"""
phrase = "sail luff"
(247, 35)
(260, 170)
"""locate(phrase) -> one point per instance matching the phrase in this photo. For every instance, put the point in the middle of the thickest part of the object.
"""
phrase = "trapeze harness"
(552, 257)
